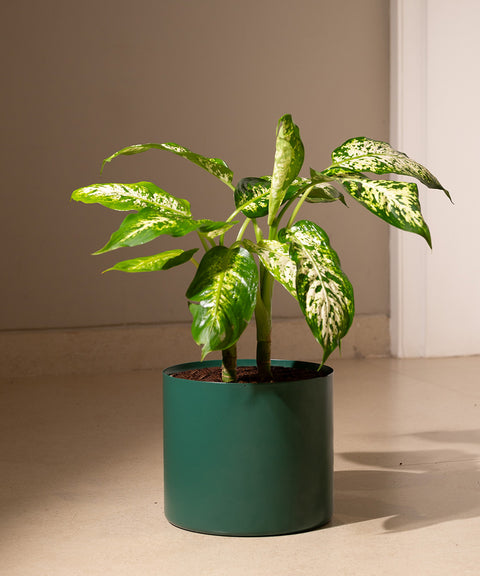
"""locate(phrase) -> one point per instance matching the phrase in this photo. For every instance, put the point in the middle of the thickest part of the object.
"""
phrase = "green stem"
(242, 229)
(204, 243)
(263, 319)
(273, 232)
(258, 231)
(229, 364)
(298, 206)
(229, 219)
(284, 209)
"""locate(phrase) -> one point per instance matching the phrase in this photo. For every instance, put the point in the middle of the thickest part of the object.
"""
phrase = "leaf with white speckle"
(252, 195)
(132, 197)
(275, 256)
(163, 261)
(147, 224)
(324, 292)
(223, 295)
(395, 202)
(289, 155)
(363, 154)
(214, 166)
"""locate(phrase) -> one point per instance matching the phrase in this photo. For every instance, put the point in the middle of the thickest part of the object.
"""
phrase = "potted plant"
(248, 443)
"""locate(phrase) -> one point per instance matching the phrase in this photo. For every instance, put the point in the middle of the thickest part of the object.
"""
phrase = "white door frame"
(435, 118)
(408, 132)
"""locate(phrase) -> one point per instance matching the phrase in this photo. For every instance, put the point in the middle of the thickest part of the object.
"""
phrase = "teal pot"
(248, 459)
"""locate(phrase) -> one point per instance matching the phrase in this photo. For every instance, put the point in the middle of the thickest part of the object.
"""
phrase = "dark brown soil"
(248, 374)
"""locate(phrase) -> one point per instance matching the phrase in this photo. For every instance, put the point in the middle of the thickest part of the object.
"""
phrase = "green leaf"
(146, 225)
(322, 189)
(364, 154)
(324, 292)
(214, 166)
(395, 202)
(252, 195)
(275, 256)
(212, 229)
(289, 155)
(321, 193)
(162, 261)
(223, 294)
(131, 197)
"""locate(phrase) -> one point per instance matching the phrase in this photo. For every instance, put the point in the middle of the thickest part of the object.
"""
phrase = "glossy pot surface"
(248, 459)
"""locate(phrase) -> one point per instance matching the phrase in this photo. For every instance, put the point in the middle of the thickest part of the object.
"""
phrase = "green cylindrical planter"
(248, 459)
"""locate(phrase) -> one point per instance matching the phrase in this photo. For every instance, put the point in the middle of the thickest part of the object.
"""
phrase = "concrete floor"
(81, 480)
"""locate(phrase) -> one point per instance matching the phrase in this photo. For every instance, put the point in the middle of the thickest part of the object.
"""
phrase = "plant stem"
(298, 206)
(263, 319)
(204, 243)
(229, 364)
(242, 229)
(258, 231)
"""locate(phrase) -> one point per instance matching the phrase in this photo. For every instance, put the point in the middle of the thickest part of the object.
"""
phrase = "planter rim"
(322, 372)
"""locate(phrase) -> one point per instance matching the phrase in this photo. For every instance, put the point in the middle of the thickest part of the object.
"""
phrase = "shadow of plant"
(412, 489)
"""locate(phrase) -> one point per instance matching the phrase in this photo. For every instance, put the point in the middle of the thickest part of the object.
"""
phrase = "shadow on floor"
(410, 490)
(61, 442)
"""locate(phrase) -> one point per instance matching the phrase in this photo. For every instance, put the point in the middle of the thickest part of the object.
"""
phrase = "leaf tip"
(428, 238)
(205, 352)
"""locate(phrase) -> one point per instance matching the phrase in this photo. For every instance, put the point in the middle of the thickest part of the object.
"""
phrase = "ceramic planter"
(248, 459)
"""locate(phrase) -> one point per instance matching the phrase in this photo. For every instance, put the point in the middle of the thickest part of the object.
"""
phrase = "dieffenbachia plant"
(234, 281)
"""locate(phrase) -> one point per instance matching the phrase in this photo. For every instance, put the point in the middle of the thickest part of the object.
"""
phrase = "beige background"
(83, 79)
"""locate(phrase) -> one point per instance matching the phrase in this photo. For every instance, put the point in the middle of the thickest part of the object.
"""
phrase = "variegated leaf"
(223, 294)
(395, 202)
(275, 256)
(132, 197)
(252, 195)
(289, 155)
(324, 292)
(214, 166)
(146, 225)
(162, 261)
(364, 154)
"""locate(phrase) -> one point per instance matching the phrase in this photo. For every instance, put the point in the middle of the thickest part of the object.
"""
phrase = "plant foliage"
(234, 281)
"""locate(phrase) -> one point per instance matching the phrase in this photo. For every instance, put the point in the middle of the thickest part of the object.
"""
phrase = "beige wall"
(82, 79)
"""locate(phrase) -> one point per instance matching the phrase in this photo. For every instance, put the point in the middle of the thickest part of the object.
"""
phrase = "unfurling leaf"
(289, 155)
(222, 294)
